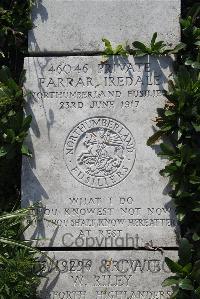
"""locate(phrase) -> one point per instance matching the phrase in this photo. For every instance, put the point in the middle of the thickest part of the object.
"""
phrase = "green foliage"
(191, 37)
(186, 281)
(109, 50)
(13, 124)
(179, 126)
(15, 23)
(140, 49)
(155, 48)
(180, 122)
(19, 266)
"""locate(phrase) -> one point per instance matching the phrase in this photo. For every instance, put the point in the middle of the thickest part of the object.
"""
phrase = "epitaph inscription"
(106, 275)
(92, 173)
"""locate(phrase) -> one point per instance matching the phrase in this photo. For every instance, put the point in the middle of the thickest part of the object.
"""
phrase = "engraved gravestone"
(106, 275)
(96, 180)
(67, 26)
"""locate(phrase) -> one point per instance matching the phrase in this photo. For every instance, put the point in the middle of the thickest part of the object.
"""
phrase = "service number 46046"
(67, 68)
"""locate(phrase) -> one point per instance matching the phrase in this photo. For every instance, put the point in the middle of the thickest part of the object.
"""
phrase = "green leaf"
(167, 127)
(196, 209)
(169, 112)
(186, 284)
(107, 43)
(5, 74)
(17, 214)
(154, 138)
(196, 127)
(140, 46)
(3, 151)
(18, 244)
(194, 11)
(197, 292)
(158, 46)
(173, 266)
(167, 149)
(10, 135)
(196, 271)
(196, 65)
(108, 47)
(26, 123)
(195, 180)
(153, 39)
(197, 43)
(187, 268)
(172, 280)
(175, 293)
(195, 237)
(181, 216)
(25, 151)
(185, 250)
(2, 54)
(140, 53)
(177, 48)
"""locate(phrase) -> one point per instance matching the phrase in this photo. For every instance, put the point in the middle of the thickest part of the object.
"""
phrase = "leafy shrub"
(19, 266)
(13, 124)
(179, 121)
(186, 281)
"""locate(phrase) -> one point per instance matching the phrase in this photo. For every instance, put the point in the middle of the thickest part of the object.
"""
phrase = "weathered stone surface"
(92, 171)
(106, 275)
(79, 25)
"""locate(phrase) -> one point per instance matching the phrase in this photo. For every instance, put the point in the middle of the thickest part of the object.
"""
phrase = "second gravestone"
(94, 176)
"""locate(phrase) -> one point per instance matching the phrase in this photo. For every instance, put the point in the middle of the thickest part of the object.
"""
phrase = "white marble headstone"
(106, 275)
(66, 26)
(97, 182)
